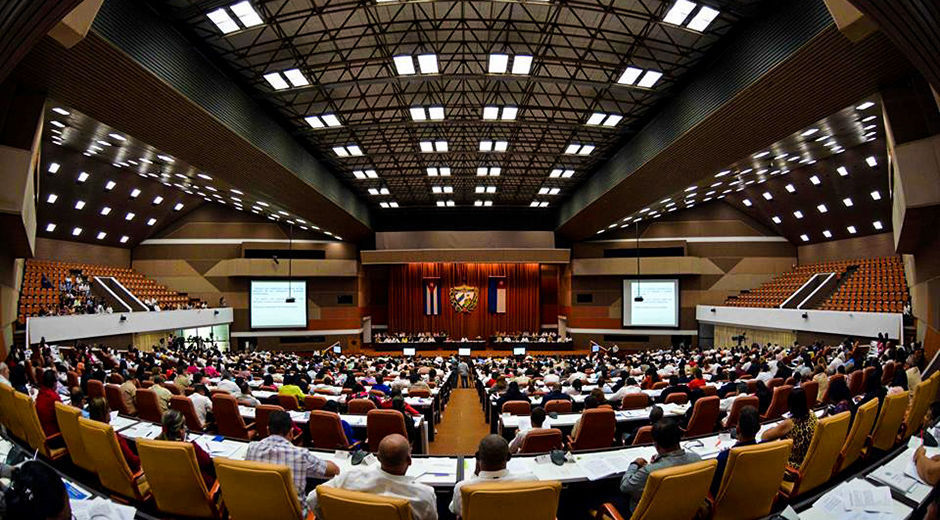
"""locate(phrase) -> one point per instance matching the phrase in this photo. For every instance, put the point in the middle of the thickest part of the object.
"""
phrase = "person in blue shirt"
(748, 426)
(556, 393)
(77, 399)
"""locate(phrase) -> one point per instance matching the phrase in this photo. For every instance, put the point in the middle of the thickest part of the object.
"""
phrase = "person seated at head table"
(666, 437)
(98, 411)
(748, 426)
(389, 479)
(277, 448)
(174, 429)
(491, 457)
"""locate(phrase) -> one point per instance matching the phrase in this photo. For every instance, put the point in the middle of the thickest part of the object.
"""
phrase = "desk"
(507, 423)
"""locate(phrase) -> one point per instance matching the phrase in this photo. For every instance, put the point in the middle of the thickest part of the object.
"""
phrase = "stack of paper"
(101, 509)
(119, 423)
(601, 465)
(857, 499)
(142, 431)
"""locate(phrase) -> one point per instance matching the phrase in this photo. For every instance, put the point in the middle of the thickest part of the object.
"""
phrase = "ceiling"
(839, 162)
(346, 52)
(100, 185)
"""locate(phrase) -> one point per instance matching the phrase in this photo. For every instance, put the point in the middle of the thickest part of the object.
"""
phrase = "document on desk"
(895, 479)
(435, 470)
(101, 508)
(549, 471)
(297, 416)
(119, 423)
(225, 448)
(142, 431)
(601, 465)
(246, 411)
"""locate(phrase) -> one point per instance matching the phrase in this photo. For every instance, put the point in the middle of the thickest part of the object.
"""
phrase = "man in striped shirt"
(277, 449)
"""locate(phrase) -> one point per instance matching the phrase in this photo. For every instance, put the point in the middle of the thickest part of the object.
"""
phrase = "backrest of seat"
(71, 378)
(381, 423)
(737, 405)
(326, 431)
(924, 394)
(778, 404)
(227, 416)
(750, 481)
(644, 435)
(677, 398)
(95, 388)
(419, 392)
(774, 383)
(832, 378)
(257, 490)
(811, 390)
(597, 429)
(885, 432)
(888, 374)
(359, 406)
(184, 406)
(262, 414)
(112, 393)
(174, 477)
(148, 406)
(636, 401)
(314, 402)
(660, 384)
(341, 503)
(517, 407)
(288, 402)
(854, 442)
(67, 417)
(856, 382)
(102, 446)
(704, 416)
(558, 406)
(675, 492)
(537, 500)
(541, 441)
(10, 418)
(29, 419)
(822, 452)
(172, 387)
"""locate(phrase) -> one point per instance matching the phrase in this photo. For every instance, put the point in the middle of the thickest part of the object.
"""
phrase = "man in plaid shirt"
(277, 449)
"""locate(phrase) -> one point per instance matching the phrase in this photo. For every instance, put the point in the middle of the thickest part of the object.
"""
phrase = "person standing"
(463, 370)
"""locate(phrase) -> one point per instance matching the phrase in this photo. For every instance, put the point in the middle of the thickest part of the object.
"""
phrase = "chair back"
(360, 406)
(381, 423)
(256, 490)
(148, 405)
(8, 412)
(778, 404)
(71, 378)
(832, 378)
(924, 394)
(419, 392)
(709, 390)
(112, 469)
(676, 492)
(262, 415)
(540, 441)
(643, 435)
(173, 388)
(342, 503)
(558, 406)
(326, 431)
(67, 417)
(94, 388)
(822, 453)
(750, 481)
(737, 405)
(597, 430)
(704, 416)
(112, 393)
(677, 398)
(660, 384)
(858, 433)
(314, 402)
(536, 500)
(811, 390)
(517, 407)
(885, 433)
(774, 383)
(856, 382)
(32, 428)
(228, 418)
(288, 402)
(637, 401)
(184, 406)
(175, 479)
(115, 378)
(888, 374)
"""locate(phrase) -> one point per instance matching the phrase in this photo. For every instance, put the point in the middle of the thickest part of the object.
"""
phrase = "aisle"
(463, 425)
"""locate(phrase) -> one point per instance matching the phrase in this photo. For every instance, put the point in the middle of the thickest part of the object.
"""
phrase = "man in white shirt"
(388, 480)
(201, 402)
(536, 419)
(492, 456)
(4, 373)
(227, 384)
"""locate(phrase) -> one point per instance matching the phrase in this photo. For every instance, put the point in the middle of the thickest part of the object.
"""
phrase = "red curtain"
(406, 305)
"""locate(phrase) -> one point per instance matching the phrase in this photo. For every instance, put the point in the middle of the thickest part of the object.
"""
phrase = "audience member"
(800, 426)
(491, 458)
(98, 411)
(174, 429)
(748, 426)
(36, 492)
(45, 403)
(666, 436)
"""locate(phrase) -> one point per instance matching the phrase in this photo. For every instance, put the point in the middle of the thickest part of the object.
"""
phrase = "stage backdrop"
(406, 309)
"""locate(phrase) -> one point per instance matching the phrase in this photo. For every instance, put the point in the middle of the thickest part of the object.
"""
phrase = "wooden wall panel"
(869, 246)
(65, 251)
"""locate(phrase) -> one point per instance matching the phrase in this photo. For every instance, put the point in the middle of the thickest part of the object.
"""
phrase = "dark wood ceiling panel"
(23, 23)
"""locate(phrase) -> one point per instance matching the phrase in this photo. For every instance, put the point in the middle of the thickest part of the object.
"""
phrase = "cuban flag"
(432, 296)
(497, 294)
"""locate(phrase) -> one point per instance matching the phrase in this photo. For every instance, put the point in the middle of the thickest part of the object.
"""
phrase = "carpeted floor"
(463, 425)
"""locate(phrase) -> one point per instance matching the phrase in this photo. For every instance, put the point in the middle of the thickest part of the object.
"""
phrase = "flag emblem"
(432, 296)
(464, 298)
(496, 295)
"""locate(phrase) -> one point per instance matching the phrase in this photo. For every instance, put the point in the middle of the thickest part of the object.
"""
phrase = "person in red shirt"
(45, 403)
(697, 380)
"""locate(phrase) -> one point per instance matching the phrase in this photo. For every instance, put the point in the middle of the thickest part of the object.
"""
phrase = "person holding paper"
(537, 418)
(666, 437)
(388, 480)
(492, 456)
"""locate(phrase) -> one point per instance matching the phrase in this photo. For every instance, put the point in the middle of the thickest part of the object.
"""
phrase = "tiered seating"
(877, 286)
(33, 297)
(776, 291)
